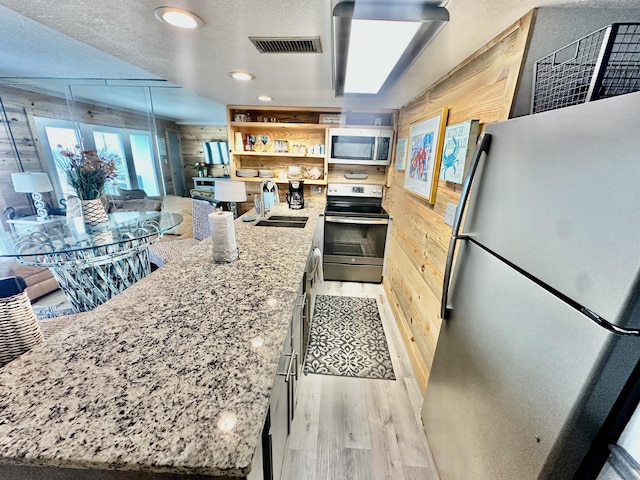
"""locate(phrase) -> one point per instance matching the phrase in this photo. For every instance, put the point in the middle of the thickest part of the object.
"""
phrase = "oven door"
(354, 247)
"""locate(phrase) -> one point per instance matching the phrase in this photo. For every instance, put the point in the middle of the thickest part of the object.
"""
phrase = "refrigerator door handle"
(591, 315)
(482, 146)
(611, 327)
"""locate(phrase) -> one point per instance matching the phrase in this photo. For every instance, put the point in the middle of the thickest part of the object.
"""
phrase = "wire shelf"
(603, 64)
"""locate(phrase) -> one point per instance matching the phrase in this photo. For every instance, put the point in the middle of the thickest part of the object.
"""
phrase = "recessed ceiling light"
(242, 76)
(178, 18)
(265, 98)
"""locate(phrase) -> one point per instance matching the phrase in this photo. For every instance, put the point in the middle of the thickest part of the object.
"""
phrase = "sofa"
(39, 280)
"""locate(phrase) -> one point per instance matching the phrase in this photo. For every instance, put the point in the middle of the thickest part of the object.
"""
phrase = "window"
(134, 148)
(66, 137)
(142, 152)
(111, 143)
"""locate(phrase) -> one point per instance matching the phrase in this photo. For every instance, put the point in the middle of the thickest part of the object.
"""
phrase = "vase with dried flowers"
(88, 171)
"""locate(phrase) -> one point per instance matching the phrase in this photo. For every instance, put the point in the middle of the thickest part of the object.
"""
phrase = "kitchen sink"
(283, 221)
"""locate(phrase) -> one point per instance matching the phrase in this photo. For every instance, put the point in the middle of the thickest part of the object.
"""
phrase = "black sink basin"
(283, 221)
(288, 218)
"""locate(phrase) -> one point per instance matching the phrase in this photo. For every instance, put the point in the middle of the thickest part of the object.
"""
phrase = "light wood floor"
(353, 428)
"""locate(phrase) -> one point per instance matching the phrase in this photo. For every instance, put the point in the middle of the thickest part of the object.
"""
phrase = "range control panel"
(354, 190)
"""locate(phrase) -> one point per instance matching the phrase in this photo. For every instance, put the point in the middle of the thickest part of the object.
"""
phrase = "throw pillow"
(181, 206)
(133, 194)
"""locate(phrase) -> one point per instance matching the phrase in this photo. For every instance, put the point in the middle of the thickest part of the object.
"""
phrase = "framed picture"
(401, 153)
(425, 151)
(457, 150)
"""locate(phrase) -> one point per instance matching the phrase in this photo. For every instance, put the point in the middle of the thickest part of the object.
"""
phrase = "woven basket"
(19, 328)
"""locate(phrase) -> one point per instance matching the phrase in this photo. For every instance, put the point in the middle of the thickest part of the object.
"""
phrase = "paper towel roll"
(223, 237)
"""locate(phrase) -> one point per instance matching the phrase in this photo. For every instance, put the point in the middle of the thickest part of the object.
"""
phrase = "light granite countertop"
(172, 375)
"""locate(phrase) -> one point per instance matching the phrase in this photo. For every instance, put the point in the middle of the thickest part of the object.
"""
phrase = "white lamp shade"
(230, 191)
(31, 182)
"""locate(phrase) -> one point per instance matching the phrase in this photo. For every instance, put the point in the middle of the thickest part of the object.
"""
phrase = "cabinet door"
(279, 413)
(297, 329)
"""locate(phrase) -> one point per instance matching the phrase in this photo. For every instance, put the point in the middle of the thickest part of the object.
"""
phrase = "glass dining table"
(91, 264)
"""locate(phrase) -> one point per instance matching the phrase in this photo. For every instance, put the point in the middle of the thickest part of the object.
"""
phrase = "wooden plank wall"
(191, 138)
(482, 87)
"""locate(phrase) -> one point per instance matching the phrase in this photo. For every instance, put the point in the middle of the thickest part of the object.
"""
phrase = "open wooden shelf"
(279, 154)
(307, 181)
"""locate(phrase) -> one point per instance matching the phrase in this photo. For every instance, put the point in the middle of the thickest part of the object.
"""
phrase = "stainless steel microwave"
(355, 146)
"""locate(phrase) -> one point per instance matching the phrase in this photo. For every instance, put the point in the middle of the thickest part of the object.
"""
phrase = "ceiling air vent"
(287, 44)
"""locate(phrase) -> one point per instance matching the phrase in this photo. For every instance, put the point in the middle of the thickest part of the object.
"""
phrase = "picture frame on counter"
(457, 150)
(425, 152)
(401, 154)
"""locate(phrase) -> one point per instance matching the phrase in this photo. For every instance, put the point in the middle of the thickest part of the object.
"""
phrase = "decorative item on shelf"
(316, 149)
(314, 173)
(280, 146)
(246, 172)
(294, 171)
(298, 149)
(238, 143)
(202, 169)
(331, 118)
(264, 139)
(87, 173)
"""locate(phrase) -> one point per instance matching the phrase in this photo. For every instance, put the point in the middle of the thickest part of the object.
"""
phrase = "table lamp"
(34, 183)
(232, 192)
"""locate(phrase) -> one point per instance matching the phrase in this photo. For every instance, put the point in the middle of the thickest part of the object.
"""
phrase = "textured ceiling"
(122, 39)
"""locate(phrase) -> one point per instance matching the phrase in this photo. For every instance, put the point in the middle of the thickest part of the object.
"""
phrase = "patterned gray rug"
(347, 339)
(51, 311)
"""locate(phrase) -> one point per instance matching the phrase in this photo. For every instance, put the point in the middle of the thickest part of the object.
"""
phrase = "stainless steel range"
(355, 233)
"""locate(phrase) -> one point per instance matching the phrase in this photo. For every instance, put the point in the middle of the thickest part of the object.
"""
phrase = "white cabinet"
(204, 183)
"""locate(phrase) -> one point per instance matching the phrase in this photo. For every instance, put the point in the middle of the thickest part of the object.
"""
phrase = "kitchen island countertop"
(173, 375)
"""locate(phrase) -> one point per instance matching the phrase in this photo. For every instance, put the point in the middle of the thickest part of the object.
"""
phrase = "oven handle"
(357, 221)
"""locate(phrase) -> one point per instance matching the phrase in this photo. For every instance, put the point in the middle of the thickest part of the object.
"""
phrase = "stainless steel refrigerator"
(537, 363)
